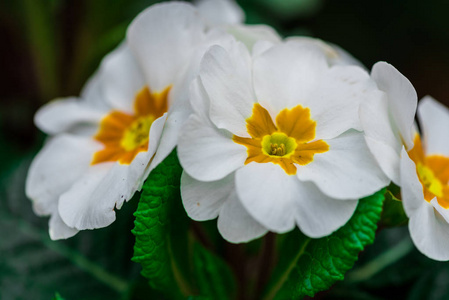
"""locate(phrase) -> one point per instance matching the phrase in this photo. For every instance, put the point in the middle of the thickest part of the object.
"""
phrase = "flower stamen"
(277, 150)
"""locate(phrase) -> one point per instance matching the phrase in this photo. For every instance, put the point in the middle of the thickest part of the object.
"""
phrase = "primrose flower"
(424, 178)
(274, 141)
(127, 121)
(389, 122)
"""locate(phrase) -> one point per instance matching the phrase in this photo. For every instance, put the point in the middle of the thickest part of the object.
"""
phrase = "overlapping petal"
(319, 215)
(388, 122)
(206, 153)
(58, 165)
(411, 188)
(402, 99)
(226, 76)
(285, 76)
(163, 38)
(235, 224)
(268, 194)
(66, 114)
(347, 171)
(430, 232)
(380, 137)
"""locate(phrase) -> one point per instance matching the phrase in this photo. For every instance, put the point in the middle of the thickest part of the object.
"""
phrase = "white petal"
(343, 57)
(207, 154)
(285, 75)
(163, 38)
(441, 210)
(386, 157)
(63, 114)
(169, 136)
(55, 168)
(335, 55)
(411, 187)
(200, 101)
(379, 135)
(220, 12)
(92, 92)
(58, 229)
(91, 201)
(268, 194)
(235, 224)
(226, 76)
(121, 79)
(434, 118)
(251, 34)
(318, 215)
(402, 98)
(335, 101)
(154, 142)
(77, 207)
(261, 46)
(203, 200)
(430, 232)
(347, 171)
(179, 95)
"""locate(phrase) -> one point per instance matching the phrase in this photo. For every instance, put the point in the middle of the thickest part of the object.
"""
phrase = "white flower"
(274, 141)
(127, 121)
(424, 179)
(389, 122)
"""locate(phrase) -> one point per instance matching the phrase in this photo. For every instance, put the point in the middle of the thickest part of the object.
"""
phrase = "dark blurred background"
(50, 47)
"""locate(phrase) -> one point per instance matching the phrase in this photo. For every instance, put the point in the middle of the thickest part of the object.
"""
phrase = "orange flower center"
(288, 143)
(125, 135)
(433, 173)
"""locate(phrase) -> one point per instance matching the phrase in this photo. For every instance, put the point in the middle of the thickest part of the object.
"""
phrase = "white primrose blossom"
(275, 141)
(424, 179)
(104, 144)
(419, 166)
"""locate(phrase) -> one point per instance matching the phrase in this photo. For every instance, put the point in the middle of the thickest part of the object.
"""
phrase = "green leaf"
(95, 264)
(308, 266)
(393, 213)
(161, 231)
(213, 276)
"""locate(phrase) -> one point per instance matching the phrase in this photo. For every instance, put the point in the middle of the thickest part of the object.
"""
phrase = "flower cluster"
(272, 133)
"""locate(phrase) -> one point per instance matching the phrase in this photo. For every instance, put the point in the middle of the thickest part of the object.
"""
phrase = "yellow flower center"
(137, 133)
(125, 135)
(288, 143)
(278, 144)
(429, 180)
(433, 173)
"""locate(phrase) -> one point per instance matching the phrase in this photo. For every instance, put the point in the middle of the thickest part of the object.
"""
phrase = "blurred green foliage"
(50, 47)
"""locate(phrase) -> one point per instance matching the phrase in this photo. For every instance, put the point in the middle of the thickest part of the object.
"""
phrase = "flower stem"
(381, 262)
(266, 263)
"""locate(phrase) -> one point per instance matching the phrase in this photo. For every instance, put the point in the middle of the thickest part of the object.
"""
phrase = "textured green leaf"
(393, 213)
(161, 230)
(213, 276)
(308, 266)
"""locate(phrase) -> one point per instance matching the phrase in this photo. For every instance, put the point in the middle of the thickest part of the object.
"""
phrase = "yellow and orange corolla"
(288, 142)
(125, 135)
(433, 173)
